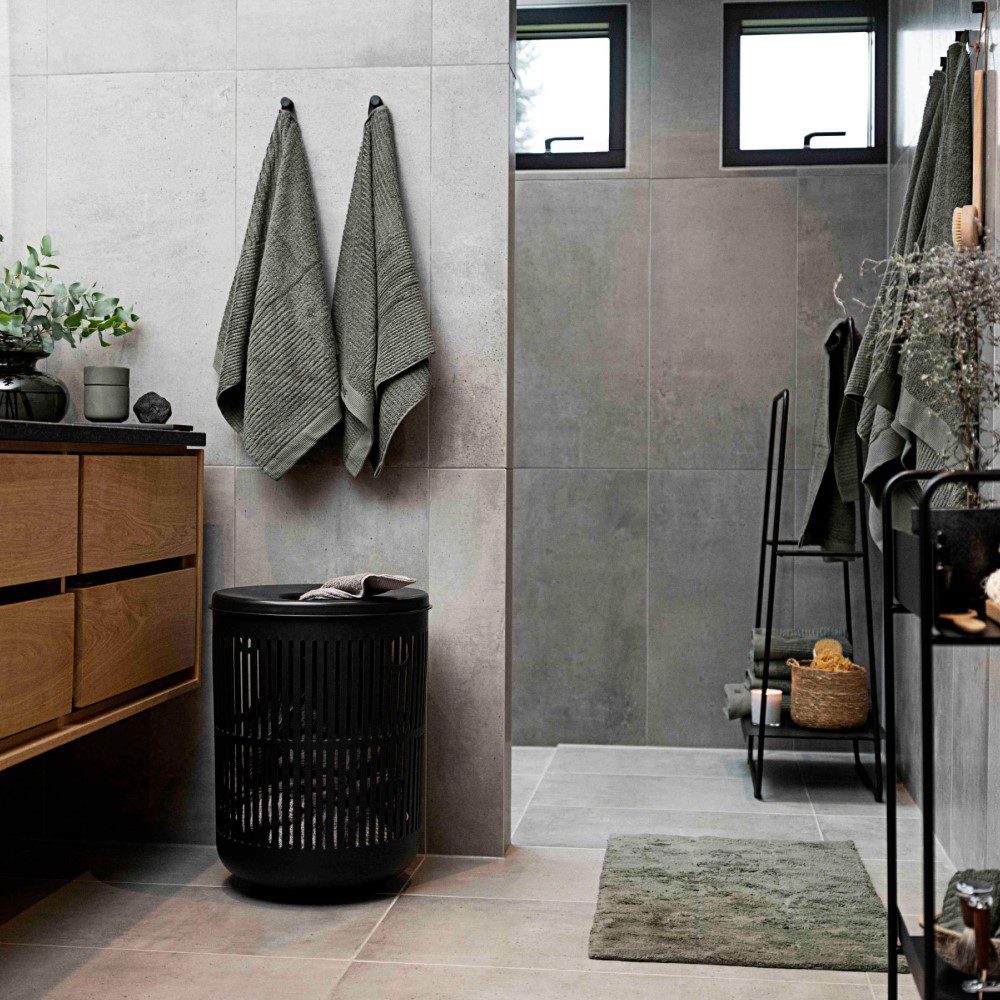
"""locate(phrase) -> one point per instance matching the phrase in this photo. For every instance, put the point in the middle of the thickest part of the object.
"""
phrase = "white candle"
(772, 714)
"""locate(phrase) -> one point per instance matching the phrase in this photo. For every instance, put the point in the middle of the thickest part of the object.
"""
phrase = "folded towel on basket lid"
(357, 585)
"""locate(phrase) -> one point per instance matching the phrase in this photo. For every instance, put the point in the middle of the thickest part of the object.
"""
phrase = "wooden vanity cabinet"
(100, 577)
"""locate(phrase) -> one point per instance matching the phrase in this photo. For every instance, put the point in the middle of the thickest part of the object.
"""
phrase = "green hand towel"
(276, 357)
(901, 425)
(383, 331)
(830, 520)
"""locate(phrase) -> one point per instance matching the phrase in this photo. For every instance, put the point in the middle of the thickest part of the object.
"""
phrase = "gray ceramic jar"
(105, 394)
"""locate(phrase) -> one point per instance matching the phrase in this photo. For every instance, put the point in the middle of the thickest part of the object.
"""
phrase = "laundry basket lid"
(283, 599)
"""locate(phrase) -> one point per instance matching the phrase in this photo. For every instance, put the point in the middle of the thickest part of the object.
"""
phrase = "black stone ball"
(151, 408)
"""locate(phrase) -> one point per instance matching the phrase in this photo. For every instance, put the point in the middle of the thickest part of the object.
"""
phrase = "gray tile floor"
(164, 922)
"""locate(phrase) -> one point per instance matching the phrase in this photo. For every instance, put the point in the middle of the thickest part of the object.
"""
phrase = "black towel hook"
(287, 104)
(375, 102)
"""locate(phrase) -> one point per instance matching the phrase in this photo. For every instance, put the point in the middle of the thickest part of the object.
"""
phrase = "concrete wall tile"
(469, 266)
(122, 36)
(579, 606)
(468, 697)
(580, 353)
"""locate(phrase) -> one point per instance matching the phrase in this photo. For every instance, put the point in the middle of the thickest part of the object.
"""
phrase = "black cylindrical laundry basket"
(319, 735)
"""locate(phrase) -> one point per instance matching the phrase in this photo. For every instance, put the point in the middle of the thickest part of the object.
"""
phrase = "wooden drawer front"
(36, 662)
(37, 517)
(133, 632)
(136, 508)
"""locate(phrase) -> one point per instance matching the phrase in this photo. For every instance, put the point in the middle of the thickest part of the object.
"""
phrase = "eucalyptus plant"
(36, 310)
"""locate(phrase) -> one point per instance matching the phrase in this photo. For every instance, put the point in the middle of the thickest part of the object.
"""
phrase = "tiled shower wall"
(133, 132)
(658, 310)
(966, 682)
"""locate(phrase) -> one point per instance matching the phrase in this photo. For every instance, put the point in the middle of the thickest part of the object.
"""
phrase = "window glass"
(804, 83)
(570, 92)
(833, 92)
(562, 95)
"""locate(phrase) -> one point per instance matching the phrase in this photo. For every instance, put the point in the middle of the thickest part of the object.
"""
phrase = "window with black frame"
(571, 87)
(804, 83)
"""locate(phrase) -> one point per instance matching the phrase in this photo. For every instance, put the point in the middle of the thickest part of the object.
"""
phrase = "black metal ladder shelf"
(933, 980)
(772, 548)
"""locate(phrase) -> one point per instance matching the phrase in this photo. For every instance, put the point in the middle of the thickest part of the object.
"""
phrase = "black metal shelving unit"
(774, 548)
(933, 980)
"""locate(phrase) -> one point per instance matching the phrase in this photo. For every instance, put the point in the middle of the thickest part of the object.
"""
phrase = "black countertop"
(123, 434)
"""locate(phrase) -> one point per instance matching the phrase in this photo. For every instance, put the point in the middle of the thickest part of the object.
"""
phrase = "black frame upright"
(773, 548)
(933, 980)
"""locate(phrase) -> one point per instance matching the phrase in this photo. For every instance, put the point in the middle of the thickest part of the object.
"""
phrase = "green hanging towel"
(383, 331)
(276, 357)
(830, 520)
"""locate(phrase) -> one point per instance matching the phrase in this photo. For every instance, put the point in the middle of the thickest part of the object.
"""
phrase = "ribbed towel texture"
(381, 323)
(794, 643)
(902, 425)
(357, 585)
(276, 357)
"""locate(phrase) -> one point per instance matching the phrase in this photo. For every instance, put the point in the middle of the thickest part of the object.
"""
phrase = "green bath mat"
(711, 901)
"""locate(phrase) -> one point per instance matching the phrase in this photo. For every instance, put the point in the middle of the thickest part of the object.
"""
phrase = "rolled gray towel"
(783, 684)
(795, 642)
(737, 705)
(358, 585)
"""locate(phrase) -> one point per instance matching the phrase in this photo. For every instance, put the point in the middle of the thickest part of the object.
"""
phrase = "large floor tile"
(528, 935)
(579, 658)
(525, 873)
(868, 834)
(703, 531)
(530, 761)
(669, 762)
(27, 973)
(588, 826)
(375, 981)
(161, 864)
(167, 918)
(909, 882)
(785, 792)
(722, 337)
(854, 798)
(582, 292)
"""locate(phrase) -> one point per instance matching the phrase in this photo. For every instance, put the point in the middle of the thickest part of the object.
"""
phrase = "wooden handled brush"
(967, 221)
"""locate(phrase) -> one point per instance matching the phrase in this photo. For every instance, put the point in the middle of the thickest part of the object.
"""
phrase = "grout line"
(531, 797)
(812, 805)
(395, 900)
(591, 903)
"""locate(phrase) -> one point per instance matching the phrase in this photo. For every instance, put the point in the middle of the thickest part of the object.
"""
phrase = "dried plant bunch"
(949, 309)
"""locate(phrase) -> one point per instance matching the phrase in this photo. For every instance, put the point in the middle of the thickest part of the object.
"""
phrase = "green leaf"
(46, 245)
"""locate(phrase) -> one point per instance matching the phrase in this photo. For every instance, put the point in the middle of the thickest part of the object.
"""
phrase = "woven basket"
(958, 953)
(829, 699)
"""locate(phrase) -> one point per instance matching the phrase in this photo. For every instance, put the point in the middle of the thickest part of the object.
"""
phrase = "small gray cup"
(105, 394)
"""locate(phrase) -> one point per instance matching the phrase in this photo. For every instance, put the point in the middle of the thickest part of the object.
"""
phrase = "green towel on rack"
(783, 684)
(833, 477)
(795, 643)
